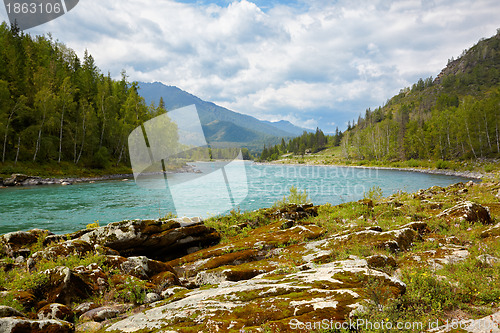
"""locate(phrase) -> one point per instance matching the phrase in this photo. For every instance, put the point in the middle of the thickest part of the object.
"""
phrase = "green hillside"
(59, 114)
(455, 116)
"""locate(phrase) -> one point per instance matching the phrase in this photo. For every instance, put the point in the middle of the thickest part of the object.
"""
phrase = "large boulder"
(18, 243)
(140, 267)
(156, 239)
(74, 247)
(105, 312)
(7, 311)
(93, 276)
(15, 179)
(468, 211)
(63, 286)
(55, 311)
(17, 325)
(293, 212)
(326, 292)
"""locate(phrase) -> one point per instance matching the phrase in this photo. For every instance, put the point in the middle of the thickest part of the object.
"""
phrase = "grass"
(56, 170)
(334, 156)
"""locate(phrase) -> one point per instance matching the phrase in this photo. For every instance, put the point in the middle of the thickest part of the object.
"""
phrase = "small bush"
(295, 197)
(440, 164)
(93, 225)
(101, 159)
(489, 167)
(375, 193)
(412, 163)
(133, 291)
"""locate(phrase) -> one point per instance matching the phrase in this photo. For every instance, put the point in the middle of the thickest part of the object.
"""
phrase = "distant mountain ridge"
(288, 127)
(222, 127)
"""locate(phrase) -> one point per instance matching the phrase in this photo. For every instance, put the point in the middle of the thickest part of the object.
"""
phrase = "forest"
(306, 143)
(455, 116)
(57, 108)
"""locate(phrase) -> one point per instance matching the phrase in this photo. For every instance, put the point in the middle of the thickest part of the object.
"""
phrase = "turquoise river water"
(63, 209)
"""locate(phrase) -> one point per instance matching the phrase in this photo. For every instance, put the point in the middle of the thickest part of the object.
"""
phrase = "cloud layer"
(313, 62)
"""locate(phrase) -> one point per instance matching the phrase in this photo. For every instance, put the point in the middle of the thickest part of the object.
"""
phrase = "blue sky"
(312, 62)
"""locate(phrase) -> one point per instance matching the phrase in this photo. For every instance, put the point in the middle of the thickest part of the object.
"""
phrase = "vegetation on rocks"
(426, 257)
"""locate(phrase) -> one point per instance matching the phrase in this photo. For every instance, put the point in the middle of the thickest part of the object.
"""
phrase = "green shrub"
(375, 193)
(412, 163)
(440, 164)
(101, 159)
(295, 197)
(489, 167)
(427, 292)
(133, 291)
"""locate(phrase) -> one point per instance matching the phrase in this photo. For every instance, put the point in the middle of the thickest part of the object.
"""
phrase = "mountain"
(222, 127)
(225, 131)
(288, 127)
(455, 116)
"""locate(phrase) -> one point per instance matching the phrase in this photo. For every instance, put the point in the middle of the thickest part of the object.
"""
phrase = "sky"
(315, 63)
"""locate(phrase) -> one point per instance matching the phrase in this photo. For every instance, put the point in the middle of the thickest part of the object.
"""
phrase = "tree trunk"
(38, 141)
(6, 131)
(487, 133)
(18, 146)
(480, 141)
(14, 109)
(498, 139)
(470, 141)
(83, 139)
(103, 110)
(61, 133)
(121, 154)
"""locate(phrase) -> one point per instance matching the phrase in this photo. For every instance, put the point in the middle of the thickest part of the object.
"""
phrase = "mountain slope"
(455, 116)
(225, 131)
(225, 125)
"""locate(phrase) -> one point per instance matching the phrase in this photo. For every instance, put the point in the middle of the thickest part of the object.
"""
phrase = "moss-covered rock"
(157, 239)
(140, 267)
(63, 286)
(262, 243)
(19, 243)
(468, 211)
(393, 240)
(55, 311)
(75, 247)
(329, 291)
(7, 311)
(491, 232)
(104, 312)
(14, 325)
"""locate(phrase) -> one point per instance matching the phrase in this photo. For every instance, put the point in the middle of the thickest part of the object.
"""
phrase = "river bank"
(26, 180)
(430, 258)
(447, 172)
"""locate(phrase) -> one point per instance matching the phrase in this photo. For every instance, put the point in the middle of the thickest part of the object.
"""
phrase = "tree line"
(56, 107)
(306, 143)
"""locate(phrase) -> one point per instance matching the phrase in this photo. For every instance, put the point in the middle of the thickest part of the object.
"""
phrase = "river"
(63, 209)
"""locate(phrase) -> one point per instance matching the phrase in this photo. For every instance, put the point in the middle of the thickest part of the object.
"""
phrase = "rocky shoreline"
(272, 270)
(25, 180)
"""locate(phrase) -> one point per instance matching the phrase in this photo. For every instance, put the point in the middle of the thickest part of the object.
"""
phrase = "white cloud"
(285, 62)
